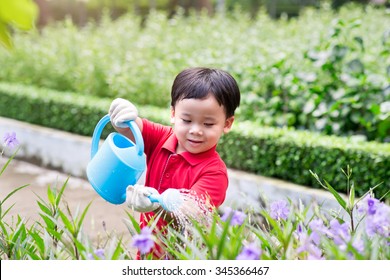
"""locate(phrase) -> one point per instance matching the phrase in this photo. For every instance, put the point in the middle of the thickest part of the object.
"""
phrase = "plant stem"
(352, 223)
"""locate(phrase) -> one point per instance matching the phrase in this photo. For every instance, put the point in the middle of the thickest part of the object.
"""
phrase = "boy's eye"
(186, 121)
(208, 124)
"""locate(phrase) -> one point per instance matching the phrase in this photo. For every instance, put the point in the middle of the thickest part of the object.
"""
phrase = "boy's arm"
(212, 187)
(208, 192)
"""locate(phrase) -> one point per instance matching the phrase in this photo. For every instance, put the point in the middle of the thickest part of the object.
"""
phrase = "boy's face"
(198, 124)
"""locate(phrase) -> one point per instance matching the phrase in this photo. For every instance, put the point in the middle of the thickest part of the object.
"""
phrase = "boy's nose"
(195, 129)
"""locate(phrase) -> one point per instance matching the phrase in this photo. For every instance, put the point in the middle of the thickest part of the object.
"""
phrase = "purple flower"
(299, 229)
(358, 244)
(317, 225)
(377, 216)
(315, 253)
(99, 254)
(236, 217)
(369, 205)
(10, 140)
(250, 252)
(300, 232)
(317, 230)
(380, 222)
(309, 244)
(339, 232)
(143, 241)
(279, 210)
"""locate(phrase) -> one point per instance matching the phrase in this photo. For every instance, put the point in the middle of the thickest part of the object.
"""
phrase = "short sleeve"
(212, 185)
(152, 134)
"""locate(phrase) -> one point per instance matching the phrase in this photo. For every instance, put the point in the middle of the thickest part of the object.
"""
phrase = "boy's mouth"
(195, 141)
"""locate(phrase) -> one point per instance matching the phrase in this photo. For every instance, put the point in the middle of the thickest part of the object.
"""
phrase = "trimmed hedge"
(66, 111)
(289, 155)
(281, 153)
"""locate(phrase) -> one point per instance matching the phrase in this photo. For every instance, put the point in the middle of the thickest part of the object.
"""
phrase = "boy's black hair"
(200, 82)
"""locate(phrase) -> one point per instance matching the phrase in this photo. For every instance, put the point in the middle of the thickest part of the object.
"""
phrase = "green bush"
(282, 153)
(324, 71)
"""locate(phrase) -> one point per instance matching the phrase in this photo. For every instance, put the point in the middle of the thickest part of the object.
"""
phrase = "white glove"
(122, 111)
(137, 198)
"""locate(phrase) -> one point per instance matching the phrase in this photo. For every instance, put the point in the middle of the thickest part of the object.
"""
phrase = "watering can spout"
(171, 200)
(117, 164)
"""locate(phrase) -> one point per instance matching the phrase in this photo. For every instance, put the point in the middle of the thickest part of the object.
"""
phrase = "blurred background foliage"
(81, 11)
(323, 67)
(326, 70)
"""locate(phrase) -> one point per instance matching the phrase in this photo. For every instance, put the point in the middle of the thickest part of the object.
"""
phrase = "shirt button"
(167, 175)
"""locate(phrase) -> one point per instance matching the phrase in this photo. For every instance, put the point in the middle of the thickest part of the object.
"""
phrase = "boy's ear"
(228, 124)
(172, 115)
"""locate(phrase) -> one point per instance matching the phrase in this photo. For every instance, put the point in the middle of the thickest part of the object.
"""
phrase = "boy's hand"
(137, 198)
(122, 111)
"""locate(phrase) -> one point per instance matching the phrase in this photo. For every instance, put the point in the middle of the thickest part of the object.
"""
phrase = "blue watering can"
(117, 164)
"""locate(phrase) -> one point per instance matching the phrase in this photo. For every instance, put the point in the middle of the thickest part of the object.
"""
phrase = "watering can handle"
(98, 132)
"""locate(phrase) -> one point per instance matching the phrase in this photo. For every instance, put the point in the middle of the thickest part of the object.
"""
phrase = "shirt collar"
(192, 159)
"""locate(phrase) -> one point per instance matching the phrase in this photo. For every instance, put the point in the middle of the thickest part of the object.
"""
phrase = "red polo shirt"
(204, 173)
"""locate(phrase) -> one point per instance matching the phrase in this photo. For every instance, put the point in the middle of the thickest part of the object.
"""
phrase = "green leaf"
(18, 231)
(44, 208)
(205, 239)
(8, 161)
(59, 195)
(360, 41)
(352, 196)
(40, 243)
(276, 228)
(338, 197)
(50, 196)
(222, 240)
(118, 250)
(54, 233)
(134, 222)
(20, 13)
(355, 66)
(50, 222)
(80, 222)
(339, 51)
(80, 246)
(385, 195)
(2, 202)
(5, 37)
(68, 224)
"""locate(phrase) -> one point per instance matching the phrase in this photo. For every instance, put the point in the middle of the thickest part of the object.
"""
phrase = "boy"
(203, 102)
